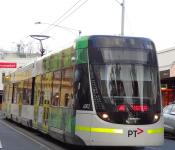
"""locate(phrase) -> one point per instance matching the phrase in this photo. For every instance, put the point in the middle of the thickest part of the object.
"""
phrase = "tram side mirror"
(73, 59)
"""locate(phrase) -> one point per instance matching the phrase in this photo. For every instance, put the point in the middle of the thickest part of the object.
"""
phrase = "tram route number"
(134, 132)
(86, 106)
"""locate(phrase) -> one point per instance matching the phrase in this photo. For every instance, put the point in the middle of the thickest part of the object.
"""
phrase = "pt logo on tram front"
(135, 132)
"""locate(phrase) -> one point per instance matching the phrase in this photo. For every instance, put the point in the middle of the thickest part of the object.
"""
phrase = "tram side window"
(27, 92)
(6, 93)
(56, 88)
(14, 100)
(42, 92)
(20, 92)
(10, 92)
(17, 93)
(67, 88)
(25, 99)
(47, 88)
(37, 90)
(82, 88)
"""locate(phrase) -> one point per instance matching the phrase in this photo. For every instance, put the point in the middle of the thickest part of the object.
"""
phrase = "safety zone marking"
(0, 145)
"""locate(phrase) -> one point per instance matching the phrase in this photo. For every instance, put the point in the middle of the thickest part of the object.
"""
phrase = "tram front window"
(129, 92)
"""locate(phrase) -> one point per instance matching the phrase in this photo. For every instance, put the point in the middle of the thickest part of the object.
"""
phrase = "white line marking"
(0, 145)
(34, 140)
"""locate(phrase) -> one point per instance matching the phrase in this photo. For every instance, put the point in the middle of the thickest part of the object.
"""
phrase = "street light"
(63, 27)
(40, 38)
(123, 15)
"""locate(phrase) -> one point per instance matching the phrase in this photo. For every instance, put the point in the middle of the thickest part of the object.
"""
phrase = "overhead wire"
(50, 26)
(73, 12)
(118, 2)
(58, 21)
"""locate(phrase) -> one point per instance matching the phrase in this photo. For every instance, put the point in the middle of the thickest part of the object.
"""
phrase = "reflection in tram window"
(66, 86)
(55, 99)
(56, 88)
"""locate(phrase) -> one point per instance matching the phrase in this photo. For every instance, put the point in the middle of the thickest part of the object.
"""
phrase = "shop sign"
(8, 65)
(165, 74)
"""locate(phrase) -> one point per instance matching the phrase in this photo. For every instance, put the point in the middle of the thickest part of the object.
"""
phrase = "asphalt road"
(15, 137)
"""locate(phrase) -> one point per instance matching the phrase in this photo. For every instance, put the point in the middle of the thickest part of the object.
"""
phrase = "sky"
(153, 19)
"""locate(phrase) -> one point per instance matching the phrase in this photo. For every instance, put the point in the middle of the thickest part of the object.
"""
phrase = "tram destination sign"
(8, 65)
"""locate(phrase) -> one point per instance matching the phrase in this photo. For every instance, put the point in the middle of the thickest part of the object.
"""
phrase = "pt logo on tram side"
(134, 132)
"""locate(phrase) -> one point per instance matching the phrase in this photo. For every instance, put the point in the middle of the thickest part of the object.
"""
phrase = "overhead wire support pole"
(122, 16)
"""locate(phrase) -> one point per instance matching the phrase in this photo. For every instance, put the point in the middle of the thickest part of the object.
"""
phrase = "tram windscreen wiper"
(131, 110)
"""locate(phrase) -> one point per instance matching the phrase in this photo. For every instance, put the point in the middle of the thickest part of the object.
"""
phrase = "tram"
(102, 91)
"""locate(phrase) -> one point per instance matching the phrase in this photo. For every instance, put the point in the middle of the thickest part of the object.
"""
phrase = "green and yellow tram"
(103, 91)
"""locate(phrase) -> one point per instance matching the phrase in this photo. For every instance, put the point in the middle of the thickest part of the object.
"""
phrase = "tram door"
(38, 102)
(47, 89)
(66, 103)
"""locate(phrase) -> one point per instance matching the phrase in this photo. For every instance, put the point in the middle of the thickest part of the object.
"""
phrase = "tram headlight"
(104, 116)
(156, 117)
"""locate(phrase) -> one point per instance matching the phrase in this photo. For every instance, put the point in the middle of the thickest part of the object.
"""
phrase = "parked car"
(169, 118)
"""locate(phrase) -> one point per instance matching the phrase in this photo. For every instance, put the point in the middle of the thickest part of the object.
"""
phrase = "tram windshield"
(128, 92)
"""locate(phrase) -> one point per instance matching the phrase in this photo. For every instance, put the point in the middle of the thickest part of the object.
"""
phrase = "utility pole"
(123, 18)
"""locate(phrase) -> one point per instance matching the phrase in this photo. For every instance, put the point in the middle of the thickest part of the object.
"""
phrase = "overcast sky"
(146, 18)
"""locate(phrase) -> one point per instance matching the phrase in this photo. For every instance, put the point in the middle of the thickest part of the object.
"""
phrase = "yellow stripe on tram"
(83, 128)
(100, 130)
(155, 131)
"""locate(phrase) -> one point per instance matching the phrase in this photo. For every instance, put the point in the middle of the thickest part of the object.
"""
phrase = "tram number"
(86, 106)
(134, 132)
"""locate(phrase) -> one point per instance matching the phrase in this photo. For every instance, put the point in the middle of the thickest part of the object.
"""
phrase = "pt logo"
(134, 132)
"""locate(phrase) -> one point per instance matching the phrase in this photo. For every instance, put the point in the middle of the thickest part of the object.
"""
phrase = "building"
(10, 61)
(166, 59)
